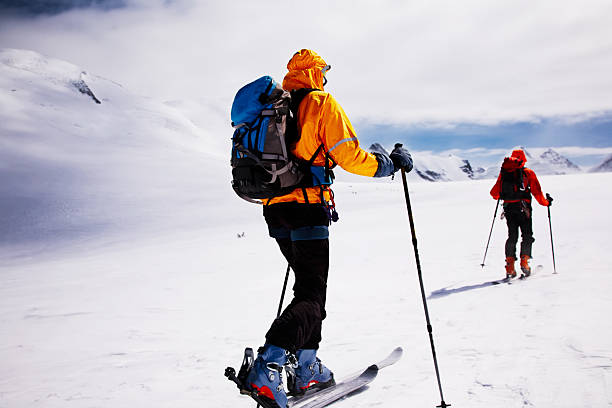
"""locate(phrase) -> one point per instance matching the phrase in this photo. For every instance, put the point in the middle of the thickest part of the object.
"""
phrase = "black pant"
(301, 233)
(518, 216)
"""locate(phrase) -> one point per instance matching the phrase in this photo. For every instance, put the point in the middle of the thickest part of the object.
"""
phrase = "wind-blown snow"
(152, 292)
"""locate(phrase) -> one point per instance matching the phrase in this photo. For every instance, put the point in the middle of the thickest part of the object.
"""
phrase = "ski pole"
(490, 232)
(418, 265)
(551, 240)
(280, 304)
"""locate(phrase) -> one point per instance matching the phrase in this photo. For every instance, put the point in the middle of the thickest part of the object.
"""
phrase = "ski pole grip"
(549, 199)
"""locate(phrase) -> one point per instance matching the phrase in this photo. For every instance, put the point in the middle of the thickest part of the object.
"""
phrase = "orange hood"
(304, 71)
(519, 154)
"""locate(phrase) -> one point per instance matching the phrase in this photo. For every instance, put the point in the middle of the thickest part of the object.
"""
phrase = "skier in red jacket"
(515, 185)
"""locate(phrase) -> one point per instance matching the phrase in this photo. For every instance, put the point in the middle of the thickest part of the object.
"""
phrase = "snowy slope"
(73, 167)
(160, 293)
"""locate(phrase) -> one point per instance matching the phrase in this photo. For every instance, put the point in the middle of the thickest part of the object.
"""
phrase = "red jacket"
(530, 178)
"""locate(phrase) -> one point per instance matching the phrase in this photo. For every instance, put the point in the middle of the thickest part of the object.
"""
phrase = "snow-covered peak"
(49, 68)
(605, 166)
(557, 160)
(433, 167)
(53, 71)
(551, 162)
(81, 153)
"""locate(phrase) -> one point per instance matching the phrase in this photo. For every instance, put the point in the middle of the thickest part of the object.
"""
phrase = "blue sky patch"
(593, 133)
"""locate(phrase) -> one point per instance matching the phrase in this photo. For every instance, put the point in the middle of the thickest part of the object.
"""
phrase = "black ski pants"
(301, 231)
(518, 216)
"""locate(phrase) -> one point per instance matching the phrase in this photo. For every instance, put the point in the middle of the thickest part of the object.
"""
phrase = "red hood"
(519, 154)
(512, 163)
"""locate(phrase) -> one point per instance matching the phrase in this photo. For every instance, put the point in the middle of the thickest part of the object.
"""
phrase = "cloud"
(396, 63)
(51, 7)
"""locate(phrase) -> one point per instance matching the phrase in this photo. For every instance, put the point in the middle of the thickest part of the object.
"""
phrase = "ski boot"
(265, 376)
(510, 272)
(525, 266)
(310, 373)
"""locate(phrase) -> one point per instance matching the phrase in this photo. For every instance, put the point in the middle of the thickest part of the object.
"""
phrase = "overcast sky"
(400, 63)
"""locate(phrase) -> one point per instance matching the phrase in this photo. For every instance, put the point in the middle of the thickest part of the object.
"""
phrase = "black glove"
(549, 198)
(385, 165)
(401, 158)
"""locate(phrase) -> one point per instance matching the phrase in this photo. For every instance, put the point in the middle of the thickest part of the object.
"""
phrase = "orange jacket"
(321, 120)
(531, 181)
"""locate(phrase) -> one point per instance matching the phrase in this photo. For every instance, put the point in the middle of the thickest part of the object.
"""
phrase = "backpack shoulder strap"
(297, 96)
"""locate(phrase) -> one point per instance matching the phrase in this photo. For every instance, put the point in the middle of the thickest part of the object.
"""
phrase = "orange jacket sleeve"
(534, 185)
(322, 116)
(341, 141)
(496, 190)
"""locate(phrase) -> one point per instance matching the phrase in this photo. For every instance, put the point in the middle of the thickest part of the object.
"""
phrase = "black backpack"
(513, 186)
(264, 117)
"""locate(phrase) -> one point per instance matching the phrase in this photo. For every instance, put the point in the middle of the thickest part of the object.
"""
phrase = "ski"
(497, 282)
(322, 397)
(523, 278)
(510, 281)
(326, 396)
(317, 398)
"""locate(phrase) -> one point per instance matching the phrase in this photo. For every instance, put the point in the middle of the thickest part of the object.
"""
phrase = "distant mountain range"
(432, 167)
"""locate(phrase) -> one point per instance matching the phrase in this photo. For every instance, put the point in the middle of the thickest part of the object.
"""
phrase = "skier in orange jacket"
(515, 185)
(299, 222)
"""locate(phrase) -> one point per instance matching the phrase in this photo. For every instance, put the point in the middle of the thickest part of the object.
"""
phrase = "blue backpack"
(264, 117)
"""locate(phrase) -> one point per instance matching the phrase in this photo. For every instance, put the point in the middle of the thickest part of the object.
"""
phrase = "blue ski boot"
(310, 373)
(265, 376)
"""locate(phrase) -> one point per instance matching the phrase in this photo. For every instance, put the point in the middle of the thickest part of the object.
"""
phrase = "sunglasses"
(324, 71)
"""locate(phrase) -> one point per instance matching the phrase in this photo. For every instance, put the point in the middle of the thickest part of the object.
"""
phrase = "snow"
(124, 281)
